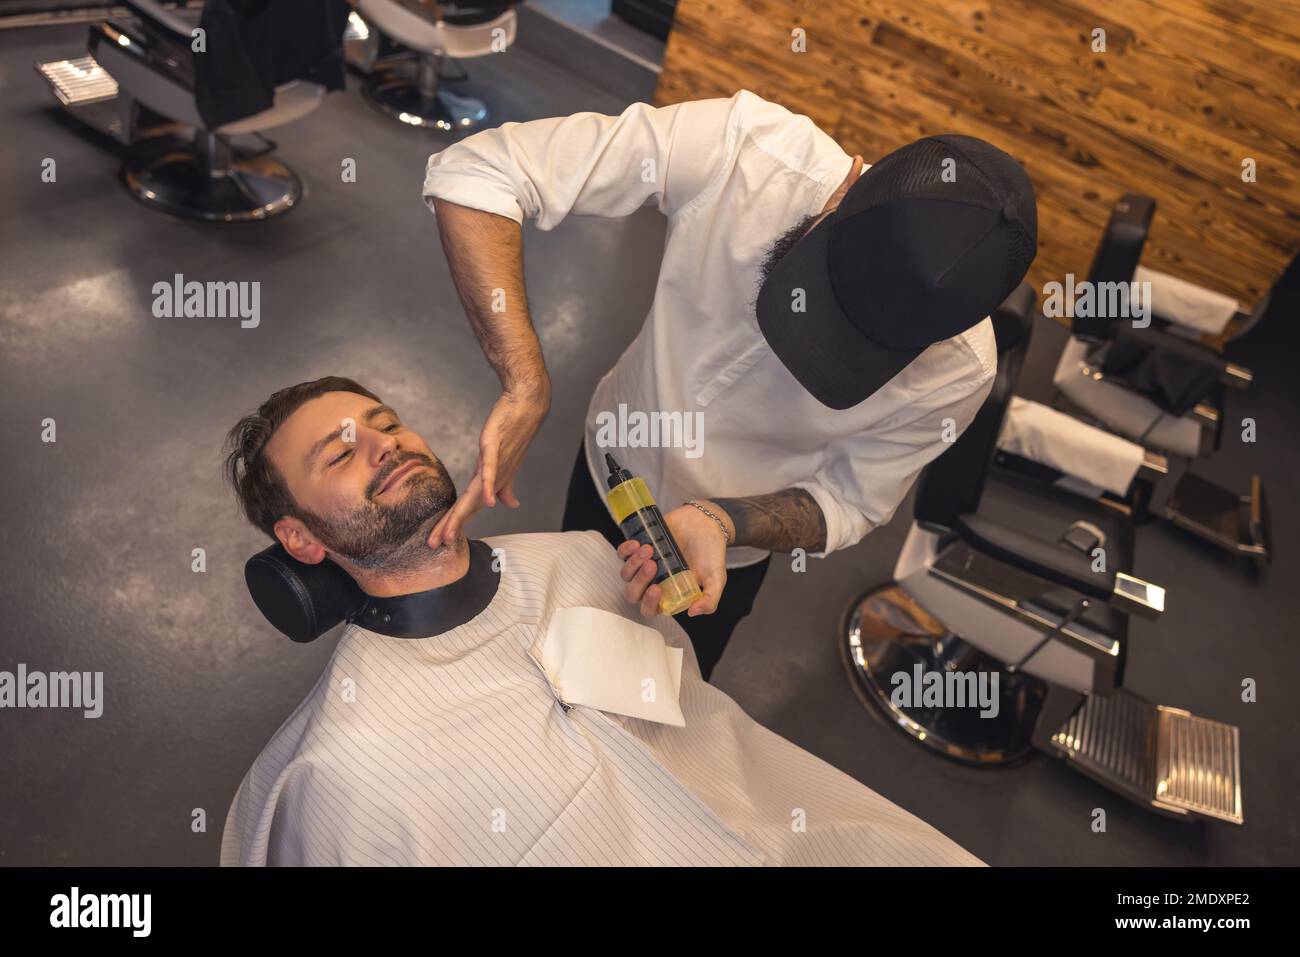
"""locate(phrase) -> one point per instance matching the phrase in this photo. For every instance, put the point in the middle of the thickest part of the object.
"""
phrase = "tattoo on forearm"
(779, 522)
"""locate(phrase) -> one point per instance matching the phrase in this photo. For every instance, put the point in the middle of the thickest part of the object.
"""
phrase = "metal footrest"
(78, 82)
(87, 91)
(1237, 523)
(1164, 758)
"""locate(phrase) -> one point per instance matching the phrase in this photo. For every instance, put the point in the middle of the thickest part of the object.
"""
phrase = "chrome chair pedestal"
(420, 102)
(885, 632)
(207, 181)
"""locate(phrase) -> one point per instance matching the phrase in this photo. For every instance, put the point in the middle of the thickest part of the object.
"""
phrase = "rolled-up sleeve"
(866, 477)
(586, 164)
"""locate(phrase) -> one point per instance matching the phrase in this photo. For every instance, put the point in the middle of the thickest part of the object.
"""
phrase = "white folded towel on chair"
(1044, 435)
(1186, 303)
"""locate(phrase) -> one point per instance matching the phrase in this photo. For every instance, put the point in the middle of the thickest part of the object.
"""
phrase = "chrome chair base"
(885, 632)
(402, 98)
(206, 181)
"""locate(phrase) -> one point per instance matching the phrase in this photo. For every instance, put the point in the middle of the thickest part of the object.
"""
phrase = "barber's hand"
(703, 546)
(514, 420)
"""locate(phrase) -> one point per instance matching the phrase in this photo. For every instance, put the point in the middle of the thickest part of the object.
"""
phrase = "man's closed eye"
(345, 453)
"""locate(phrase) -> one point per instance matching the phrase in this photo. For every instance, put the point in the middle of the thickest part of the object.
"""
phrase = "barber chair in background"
(139, 84)
(384, 36)
(1163, 389)
(1000, 573)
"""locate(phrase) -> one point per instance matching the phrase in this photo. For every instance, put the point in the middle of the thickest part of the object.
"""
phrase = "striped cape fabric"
(455, 750)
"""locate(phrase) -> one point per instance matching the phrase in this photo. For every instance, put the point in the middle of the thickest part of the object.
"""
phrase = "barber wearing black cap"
(824, 326)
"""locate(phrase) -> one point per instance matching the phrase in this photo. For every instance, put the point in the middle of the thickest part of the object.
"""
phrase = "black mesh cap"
(923, 246)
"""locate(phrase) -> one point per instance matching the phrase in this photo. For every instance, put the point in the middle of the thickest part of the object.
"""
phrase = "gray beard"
(391, 538)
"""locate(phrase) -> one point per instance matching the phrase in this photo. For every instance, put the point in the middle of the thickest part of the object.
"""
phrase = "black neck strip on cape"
(424, 614)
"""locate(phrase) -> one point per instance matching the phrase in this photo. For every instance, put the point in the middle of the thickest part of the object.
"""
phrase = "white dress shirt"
(731, 175)
(457, 750)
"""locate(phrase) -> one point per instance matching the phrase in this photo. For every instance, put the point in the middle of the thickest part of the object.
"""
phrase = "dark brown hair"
(264, 498)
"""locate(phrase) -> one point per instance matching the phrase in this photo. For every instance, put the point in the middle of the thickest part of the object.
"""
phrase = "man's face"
(786, 241)
(372, 500)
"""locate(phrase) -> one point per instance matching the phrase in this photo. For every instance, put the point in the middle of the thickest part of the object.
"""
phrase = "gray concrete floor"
(99, 527)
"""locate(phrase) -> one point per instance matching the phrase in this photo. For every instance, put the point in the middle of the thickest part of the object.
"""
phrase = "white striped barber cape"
(454, 750)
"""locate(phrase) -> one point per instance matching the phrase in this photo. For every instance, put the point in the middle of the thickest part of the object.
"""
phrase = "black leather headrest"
(1116, 258)
(302, 601)
(1013, 318)
(953, 484)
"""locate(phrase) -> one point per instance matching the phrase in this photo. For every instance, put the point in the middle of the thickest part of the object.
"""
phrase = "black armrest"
(1061, 565)
(1047, 560)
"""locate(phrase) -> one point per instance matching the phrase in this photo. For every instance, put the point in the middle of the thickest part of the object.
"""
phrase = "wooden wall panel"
(1185, 90)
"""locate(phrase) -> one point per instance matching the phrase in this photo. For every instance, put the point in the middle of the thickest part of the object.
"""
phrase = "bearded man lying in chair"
(492, 702)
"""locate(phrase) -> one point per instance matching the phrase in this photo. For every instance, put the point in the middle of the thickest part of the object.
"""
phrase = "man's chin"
(395, 556)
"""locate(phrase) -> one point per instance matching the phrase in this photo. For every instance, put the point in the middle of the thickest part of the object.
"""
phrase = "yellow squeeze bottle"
(639, 517)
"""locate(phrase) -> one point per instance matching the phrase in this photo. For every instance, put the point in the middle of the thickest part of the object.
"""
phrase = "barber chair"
(1000, 574)
(1038, 441)
(136, 84)
(429, 34)
(1161, 387)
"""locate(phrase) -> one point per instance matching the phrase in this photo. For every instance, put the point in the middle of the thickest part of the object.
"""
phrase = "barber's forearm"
(486, 255)
(779, 522)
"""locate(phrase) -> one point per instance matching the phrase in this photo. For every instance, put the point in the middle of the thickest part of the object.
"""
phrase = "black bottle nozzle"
(617, 474)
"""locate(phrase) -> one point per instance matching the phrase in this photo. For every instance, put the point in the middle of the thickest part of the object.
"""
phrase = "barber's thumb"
(435, 536)
(452, 528)
(709, 603)
(702, 606)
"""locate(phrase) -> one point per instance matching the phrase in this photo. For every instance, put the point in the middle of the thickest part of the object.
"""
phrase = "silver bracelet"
(726, 536)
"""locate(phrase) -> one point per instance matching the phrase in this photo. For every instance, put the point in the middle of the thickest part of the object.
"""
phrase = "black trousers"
(709, 634)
